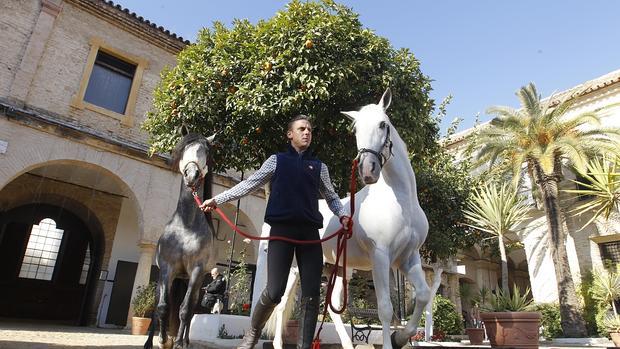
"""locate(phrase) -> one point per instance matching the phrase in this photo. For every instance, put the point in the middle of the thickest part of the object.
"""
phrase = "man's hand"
(346, 222)
(209, 205)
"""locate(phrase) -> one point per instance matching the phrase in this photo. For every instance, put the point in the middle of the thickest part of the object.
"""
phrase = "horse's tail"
(149, 341)
(286, 309)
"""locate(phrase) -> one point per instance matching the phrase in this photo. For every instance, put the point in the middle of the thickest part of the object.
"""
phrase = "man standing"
(297, 179)
(214, 290)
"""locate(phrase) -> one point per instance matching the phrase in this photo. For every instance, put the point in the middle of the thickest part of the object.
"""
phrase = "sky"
(479, 51)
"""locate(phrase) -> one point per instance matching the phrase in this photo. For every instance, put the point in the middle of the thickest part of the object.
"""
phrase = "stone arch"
(78, 301)
(87, 168)
(224, 233)
(84, 189)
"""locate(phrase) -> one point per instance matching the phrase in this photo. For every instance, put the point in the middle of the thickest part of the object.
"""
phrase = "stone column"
(455, 297)
(34, 51)
(143, 273)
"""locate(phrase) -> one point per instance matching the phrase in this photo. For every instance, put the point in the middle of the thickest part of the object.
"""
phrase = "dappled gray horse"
(184, 250)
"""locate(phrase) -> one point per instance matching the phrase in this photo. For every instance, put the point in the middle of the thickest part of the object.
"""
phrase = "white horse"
(389, 224)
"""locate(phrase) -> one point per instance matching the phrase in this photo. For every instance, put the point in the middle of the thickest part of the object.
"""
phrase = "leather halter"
(202, 170)
(387, 144)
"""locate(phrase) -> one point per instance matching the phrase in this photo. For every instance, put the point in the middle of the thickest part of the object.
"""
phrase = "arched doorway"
(49, 260)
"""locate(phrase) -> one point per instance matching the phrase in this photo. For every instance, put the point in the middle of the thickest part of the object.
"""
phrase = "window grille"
(42, 251)
(610, 252)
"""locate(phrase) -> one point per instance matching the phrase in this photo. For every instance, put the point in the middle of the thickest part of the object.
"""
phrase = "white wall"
(124, 248)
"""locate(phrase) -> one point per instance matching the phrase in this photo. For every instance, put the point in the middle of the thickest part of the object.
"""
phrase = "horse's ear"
(350, 114)
(183, 130)
(386, 99)
(210, 139)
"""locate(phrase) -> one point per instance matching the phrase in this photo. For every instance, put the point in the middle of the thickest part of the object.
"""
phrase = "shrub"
(240, 281)
(602, 313)
(143, 302)
(590, 305)
(612, 323)
(550, 321)
(445, 318)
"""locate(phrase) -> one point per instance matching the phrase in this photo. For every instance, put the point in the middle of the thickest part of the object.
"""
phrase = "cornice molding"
(132, 23)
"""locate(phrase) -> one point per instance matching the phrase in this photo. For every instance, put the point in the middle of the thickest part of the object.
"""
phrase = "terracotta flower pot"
(291, 332)
(615, 337)
(140, 325)
(512, 329)
(476, 335)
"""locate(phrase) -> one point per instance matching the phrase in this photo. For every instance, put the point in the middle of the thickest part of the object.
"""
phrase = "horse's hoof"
(167, 345)
(397, 341)
(182, 344)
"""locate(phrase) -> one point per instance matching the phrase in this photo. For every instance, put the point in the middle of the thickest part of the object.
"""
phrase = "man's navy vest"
(294, 197)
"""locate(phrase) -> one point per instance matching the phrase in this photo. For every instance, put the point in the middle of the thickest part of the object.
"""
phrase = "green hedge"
(550, 321)
(445, 317)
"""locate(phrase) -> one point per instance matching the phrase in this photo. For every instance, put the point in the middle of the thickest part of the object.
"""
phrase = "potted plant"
(509, 321)
(473, 323)
(143, 304)
(612, 324)
(475, 333)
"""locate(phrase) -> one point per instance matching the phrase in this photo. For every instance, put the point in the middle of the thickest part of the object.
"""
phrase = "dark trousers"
(280, 257)
(208, 304)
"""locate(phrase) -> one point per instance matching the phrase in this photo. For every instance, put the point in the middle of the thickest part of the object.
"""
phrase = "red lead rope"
(341, 250)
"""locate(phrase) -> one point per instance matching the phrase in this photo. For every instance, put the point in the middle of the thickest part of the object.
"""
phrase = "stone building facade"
(587, 246)
(82, 204)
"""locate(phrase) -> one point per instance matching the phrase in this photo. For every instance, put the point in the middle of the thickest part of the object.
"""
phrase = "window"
(110, 82)
(610, 252)
(85, 266)
(42, 251)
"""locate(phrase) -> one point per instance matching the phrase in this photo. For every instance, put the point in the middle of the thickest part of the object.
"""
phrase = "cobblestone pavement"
(28, 335)
(22, 335)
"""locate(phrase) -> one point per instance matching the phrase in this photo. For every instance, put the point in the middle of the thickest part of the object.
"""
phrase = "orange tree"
(245, 82)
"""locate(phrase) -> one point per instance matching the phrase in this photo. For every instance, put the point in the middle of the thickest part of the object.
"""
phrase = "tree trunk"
(572, 322)
(502, 253)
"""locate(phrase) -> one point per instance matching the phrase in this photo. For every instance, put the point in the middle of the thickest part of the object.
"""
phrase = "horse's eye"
(382, 125)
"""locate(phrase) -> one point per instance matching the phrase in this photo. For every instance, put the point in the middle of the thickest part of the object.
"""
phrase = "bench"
(362, 332)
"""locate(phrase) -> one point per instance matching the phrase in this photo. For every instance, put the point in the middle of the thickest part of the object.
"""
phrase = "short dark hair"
(296, 118)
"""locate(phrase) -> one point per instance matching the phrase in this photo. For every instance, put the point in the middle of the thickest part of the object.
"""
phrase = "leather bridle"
(387, 145)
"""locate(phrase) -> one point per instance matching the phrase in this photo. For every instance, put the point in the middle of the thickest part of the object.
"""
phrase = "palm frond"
(572, 149)
(561, 109)
(503, 111)
(496, 210)
(602, 185)
(606, 285)
(530, 100)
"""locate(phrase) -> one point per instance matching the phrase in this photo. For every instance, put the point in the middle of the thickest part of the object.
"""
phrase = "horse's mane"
(189, 138)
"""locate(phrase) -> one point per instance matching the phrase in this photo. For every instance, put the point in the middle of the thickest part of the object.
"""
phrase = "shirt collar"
(293, 151)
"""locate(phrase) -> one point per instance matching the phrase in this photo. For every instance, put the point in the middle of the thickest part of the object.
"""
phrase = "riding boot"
(261, 314)
(307, 321)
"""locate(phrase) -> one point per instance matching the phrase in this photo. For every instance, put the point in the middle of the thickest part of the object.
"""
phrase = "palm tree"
(601, 187)
(497, 212)
(542, 135)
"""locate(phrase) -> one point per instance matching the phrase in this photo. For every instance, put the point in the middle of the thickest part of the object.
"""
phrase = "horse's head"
(191, 157)
(372, 132)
